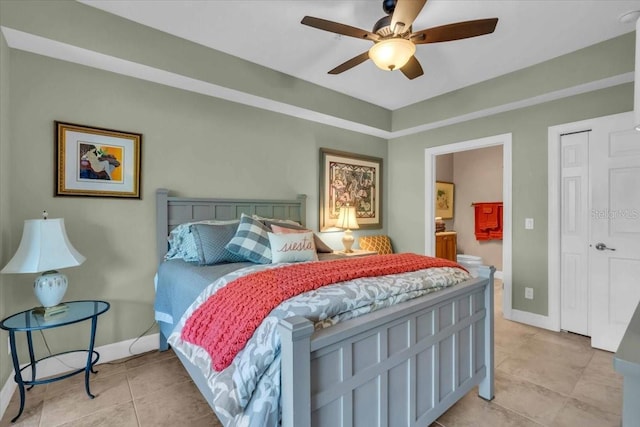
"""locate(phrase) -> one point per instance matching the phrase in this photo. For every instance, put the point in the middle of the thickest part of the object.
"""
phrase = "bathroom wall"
(477, 175)
(444, 172)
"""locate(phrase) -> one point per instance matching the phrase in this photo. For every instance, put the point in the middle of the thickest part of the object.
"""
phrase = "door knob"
(603, 247)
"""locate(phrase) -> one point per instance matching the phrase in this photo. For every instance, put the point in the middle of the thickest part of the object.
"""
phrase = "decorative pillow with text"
(281, 228)
(292, 247)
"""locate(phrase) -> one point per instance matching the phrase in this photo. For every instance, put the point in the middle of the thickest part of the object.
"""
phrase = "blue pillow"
(210, 241)
(251, 241)
(182, 244)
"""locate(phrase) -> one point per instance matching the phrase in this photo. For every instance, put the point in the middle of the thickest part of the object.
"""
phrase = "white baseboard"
(6, 393)
(533, 319)
(65, 362)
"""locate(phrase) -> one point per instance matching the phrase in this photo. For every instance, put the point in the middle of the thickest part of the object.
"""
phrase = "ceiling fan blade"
(457, 31)
(412, 69)
(356, 60)
(335, 27)
(405, 12)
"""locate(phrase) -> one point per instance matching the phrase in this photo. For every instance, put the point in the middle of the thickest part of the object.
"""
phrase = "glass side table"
(28, 321)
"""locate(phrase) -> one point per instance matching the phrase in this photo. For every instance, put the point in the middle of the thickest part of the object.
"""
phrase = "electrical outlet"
(528, 293)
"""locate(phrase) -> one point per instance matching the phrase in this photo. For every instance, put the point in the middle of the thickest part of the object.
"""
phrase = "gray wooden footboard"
(402, 366)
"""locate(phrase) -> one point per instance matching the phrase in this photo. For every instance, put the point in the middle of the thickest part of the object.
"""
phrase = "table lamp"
(44, 248)
(347, 220)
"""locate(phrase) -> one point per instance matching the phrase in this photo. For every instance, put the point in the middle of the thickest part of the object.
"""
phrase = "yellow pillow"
(380, 244)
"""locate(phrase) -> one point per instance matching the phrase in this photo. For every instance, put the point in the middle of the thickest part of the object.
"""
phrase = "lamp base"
(50, 288)
(51, 311)
(347, 241)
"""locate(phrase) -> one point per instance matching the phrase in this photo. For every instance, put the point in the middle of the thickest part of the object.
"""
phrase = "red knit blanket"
(223, 324)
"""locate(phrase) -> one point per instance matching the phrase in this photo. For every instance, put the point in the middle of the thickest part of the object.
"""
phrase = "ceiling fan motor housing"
(383, 27)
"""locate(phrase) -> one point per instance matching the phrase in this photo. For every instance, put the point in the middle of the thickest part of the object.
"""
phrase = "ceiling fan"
(394, 39)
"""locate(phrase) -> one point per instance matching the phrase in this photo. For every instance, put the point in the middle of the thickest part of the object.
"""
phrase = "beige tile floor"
(543, 378)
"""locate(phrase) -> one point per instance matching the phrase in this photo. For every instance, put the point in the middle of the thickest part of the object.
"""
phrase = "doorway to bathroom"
(464, 149)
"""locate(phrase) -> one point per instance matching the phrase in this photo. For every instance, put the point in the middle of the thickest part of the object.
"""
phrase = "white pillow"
(292, 247)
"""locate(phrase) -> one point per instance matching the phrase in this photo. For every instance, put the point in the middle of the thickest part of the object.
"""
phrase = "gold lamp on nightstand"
(347, 221)
(44, 248)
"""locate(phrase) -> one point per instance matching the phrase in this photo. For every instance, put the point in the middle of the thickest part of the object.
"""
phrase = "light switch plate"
(528, 293)
(528, 223)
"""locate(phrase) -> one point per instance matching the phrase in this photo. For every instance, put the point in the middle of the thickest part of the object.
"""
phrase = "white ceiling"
(269, 33)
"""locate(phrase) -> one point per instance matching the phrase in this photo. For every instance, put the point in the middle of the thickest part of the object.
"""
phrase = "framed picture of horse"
(97, 162)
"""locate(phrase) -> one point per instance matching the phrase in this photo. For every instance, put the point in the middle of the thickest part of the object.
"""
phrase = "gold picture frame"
(354, 179)
(444, 199)
(97, 162)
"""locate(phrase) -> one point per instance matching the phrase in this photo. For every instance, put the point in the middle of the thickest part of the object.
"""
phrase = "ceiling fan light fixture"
(392, 54)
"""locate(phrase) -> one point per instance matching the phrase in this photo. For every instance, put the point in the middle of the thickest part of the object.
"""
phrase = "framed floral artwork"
(97, 162)
(444, 199)
(353, 179)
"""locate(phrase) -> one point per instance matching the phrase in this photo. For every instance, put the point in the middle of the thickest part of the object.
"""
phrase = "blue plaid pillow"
(251, 241)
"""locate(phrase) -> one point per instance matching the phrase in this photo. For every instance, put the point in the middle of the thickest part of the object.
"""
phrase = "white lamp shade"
(347, 218)
(392, 54)
(44, 246)
(636, 102)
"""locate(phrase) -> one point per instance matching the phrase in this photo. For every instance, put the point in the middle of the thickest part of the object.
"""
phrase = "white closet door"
(574, 228)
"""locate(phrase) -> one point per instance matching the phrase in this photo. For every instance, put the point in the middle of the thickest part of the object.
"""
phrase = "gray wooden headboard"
(172, 211)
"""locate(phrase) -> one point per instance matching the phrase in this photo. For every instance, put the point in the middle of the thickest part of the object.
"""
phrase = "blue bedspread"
(179, 283)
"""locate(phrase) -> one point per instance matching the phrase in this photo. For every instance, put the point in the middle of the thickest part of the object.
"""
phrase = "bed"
(402, 365)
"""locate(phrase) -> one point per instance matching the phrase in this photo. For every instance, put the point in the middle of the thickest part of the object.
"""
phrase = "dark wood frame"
(325, 223)
(68, 181)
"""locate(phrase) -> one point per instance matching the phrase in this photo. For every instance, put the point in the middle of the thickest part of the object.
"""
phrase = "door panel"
(624, 183)
(623, 282)
(614, 244)
(574, 297)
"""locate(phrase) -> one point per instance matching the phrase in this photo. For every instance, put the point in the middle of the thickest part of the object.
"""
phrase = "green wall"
(87, 27)
(609, 59)
(5, 228)
(600, 61)
(529, 128)
(193, 144)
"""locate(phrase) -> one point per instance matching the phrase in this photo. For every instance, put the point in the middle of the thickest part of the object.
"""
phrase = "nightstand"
(28, 321)
(356, 252)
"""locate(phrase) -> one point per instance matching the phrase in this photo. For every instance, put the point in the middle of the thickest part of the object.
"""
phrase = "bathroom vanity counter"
(446, 245)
